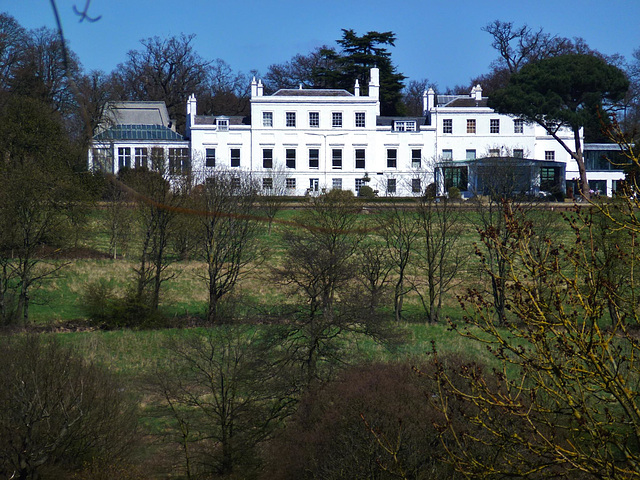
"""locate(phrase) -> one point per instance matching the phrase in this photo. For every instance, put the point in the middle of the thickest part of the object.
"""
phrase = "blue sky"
(438, 40)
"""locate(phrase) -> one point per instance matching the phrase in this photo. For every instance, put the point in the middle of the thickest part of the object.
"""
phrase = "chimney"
(428, 100)
(356, 89)
(191, 111)
(374, 86)
(260, 88)
(254, 88)
(478, 92)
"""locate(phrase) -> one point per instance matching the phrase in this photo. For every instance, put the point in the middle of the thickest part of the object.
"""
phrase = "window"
(223, 124)
(102, 160)
(124, 157)
(267, 119)
(391, 185)
(360, 122)
(235, 157)
(471, 125)
(336, 119)
(210, 157)
(471, 154)
(392, 157)
(549, 177)
(290, 183)
(290, 118)
(447, 125)
(550, 155)
(360, 158)
(455, 177)
(416, 158)
(314, 119)
(494, 152)
(314, 156)
(157, 159)
(267, 158)
(336, 158)
(179, 161)
(290, 157)
(518, 125)
(518, 153)
(359, 184)
(405, 126)
(447, 154)
(141, 157)
(314, 184)
(494, 125)
(336, 184)
(415, 185)
(267, 183)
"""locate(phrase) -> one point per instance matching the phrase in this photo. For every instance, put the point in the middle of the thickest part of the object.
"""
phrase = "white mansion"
(308, 140)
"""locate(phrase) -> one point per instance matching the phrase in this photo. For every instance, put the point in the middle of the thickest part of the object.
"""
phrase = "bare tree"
(166, 69)
(497, 193)
(631, 119)
(227, 92)
(228, 243)
(374, 275)
(156, 209)
(412, 96)
(93, 93)
(119, 218)
(518, 46)
(273, 192)
(13, 42)
(320, 265)
(225, 393)
(400, 230)
(47, 70)
(521, 45)
(439, 256)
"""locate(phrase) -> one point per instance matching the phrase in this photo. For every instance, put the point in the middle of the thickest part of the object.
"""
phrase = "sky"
(441, 41)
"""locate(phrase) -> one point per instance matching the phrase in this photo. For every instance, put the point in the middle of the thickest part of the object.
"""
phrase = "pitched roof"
(137, 113)
(467, 102)
(211, 120)
(311, 92)
(138, 132)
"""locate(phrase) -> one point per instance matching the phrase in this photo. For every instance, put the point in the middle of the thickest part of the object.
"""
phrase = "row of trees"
(169, 69)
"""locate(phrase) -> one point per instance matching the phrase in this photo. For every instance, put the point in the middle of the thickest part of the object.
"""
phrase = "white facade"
(324, 139)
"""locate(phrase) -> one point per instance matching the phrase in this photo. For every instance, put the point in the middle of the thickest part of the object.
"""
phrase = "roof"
(501, 161)
(138, 132)
(311, 92)
(467, 102)
(606, 147)
(137, 113)
(211, 120)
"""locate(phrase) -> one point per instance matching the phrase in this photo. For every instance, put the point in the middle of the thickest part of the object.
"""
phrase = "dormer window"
(404, 126)
(222, 124)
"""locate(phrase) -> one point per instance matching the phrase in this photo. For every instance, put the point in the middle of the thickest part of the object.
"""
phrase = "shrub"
(366, 192)
(58, 413)
(106, 308)
(454, 193)
(430, 192)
